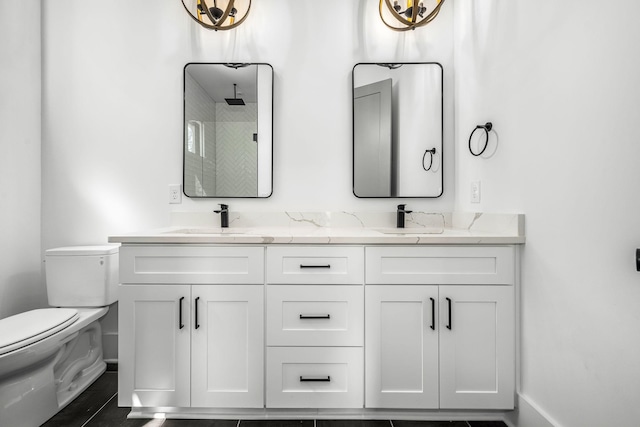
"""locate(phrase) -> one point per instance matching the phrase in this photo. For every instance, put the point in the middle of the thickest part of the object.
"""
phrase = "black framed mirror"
(398, 130)
(228, 130)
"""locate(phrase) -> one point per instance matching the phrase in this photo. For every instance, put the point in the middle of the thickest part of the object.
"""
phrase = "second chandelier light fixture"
(415, 14)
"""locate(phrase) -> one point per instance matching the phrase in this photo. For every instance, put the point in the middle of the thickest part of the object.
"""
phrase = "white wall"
(21, 286)
(112, 129)
(560, 82)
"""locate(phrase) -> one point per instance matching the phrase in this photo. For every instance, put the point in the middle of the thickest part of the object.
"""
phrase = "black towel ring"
(432, 152)
(487, 128)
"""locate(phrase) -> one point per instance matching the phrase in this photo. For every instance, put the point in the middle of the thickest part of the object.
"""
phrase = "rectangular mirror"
(228, 130)
(397, 130)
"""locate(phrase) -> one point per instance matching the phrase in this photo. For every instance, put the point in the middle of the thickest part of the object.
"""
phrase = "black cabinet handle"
(315, 379)
(449, 304)
(433, 314)
(637, 259)
(196, 304)
(315, 266)
(180, 324)
(315, 316)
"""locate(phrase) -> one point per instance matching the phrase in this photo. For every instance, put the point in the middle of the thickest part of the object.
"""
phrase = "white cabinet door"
(477, 347)
(154, 345)
(401, 346)
(227, 346)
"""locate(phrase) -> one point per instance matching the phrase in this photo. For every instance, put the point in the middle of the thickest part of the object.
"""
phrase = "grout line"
(96, 413)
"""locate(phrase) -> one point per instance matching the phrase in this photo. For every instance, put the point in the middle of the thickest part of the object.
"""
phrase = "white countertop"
(315, 228)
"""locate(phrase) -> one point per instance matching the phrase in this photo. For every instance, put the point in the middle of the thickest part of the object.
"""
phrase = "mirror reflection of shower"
(227, 110)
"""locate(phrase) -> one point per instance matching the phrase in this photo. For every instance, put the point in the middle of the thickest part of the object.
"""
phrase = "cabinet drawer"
(315, 315)
(315, 377)
(440, 265)
(327, 265)
(190, 264)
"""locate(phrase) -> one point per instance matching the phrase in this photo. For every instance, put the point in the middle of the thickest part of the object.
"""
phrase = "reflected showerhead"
(235, 100)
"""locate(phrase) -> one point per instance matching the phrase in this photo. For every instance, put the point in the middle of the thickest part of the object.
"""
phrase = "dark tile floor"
(98, 407)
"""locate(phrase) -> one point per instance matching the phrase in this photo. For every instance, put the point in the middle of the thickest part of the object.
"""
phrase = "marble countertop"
(337, 228)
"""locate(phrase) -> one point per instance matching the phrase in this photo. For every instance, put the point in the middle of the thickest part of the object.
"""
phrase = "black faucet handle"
(401, 208)
(223, 208)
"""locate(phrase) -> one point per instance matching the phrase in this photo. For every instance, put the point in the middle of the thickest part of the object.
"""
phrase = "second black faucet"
(224, 215)
(400, 216)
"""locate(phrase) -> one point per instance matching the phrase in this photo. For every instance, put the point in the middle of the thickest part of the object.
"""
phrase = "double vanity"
(332, 314)
(320, 315)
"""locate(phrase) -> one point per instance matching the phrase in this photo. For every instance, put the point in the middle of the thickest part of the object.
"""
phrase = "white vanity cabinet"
(440, 327)
(370, 329)
(191, 345)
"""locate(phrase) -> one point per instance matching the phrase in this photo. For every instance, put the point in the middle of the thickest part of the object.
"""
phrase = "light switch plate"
(475, 192)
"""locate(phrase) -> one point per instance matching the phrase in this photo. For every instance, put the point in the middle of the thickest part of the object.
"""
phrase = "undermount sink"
(209, 231)
(411, 230)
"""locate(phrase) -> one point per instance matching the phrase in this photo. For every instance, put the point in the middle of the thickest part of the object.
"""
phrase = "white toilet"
(49, 356)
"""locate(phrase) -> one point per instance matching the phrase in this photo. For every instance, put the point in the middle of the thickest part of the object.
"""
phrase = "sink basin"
(209, 231)
(411, 230)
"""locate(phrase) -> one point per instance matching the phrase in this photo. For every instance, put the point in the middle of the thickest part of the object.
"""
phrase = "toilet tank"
(82, 276)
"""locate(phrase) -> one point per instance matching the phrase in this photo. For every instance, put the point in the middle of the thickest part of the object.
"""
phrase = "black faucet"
(224, 215)
(400, 216)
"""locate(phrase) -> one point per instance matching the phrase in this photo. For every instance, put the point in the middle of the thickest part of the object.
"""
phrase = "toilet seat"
(26, 328)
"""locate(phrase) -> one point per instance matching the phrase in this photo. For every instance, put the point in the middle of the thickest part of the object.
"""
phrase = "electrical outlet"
(175, 194)
(475, 192)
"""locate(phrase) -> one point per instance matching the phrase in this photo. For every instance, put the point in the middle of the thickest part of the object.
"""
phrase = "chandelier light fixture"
(403, 15)
(218, 14)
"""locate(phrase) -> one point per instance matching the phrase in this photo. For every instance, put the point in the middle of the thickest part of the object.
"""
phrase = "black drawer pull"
(315, 316)
(449, 305)
(315, 379)
(315, 266)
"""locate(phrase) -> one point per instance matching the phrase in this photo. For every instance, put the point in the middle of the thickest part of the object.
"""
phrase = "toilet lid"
(26, 328)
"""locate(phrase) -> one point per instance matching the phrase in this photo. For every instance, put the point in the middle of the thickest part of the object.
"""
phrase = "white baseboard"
(529, 414)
